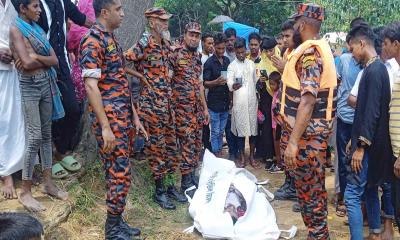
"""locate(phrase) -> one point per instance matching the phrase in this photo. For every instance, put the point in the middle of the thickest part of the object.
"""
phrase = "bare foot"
(51, 189)
(388, 231)
(31, 204)
(373, 236)
(8, 189)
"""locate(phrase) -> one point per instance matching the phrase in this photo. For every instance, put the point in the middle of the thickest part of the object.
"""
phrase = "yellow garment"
(266, 64)
(328, 77)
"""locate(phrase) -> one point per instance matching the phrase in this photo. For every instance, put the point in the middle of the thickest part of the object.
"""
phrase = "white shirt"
(7, 18)
(392, 67)
(245, 103)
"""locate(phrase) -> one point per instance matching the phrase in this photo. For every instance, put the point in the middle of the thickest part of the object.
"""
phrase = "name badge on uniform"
(111, 47)
(183, 62)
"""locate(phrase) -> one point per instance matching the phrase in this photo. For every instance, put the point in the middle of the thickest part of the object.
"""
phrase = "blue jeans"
(373, 206)
(343, 136)
(218, 124)
(356, 184)
(231, 139)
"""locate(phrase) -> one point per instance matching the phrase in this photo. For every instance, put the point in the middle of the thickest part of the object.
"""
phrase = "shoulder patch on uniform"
(144, 41)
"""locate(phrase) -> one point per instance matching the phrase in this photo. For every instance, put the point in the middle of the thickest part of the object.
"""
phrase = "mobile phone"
(264, 73)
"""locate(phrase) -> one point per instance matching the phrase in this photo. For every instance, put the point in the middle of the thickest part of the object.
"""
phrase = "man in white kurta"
(12, 131)
(242, 82)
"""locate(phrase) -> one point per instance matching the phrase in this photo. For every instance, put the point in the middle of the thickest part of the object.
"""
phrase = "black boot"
(174, 194)
(133, 232)
(195, 179)
(288, 193)
(186, 183)
(113, 230)
(160, 196)
(285, 185)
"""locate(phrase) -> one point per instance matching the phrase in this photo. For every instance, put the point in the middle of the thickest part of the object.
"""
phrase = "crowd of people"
(288, 95)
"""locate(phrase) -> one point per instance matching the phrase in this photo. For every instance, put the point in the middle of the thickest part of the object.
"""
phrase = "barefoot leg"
(8, 189)
(27, 200)
(388, 231)
(50, 188)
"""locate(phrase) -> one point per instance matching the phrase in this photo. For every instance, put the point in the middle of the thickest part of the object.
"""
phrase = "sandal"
(70, 164)
(341, 210)
(58, 172)
(255, 164)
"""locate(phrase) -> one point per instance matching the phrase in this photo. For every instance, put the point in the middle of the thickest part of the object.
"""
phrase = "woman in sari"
(35, 60)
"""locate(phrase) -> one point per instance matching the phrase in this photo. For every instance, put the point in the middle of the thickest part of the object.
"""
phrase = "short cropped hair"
(229, 32)
(357, 21)
(392, 32)
(240, 43)
(205, 36)
(255, 36)
(362, 31)
(219, 38)
(98, 5)
(288, 25)
(19, 226)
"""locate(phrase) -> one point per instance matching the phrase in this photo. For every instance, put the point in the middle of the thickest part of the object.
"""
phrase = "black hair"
(268, 43)
(357, 21)
(240, 43)
(219, 38)
(279, 36)
(229, 32)
(288, 25)
(275, 76)
(18, 3)
(255, 36)
(362, 31)
(378, 39)
(98, 5)
(19, 226)
(205, 36)
(392, 32)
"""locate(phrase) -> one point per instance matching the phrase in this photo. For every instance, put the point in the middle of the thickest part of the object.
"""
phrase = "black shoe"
(296, 207)
(288, 193)
(186, 183)
(177, 196)
(160, 196)
(195, 179)
(133, 232)
(113, 229)
(269, 164)
(285, 185)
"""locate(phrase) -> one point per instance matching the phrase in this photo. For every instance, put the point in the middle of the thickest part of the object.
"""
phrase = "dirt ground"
(84, 215)
(87, 219)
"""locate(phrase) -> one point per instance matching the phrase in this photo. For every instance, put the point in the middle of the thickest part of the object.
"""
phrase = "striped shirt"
(394, 122)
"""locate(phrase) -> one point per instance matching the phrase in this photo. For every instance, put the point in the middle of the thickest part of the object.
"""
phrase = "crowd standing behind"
(284, 95)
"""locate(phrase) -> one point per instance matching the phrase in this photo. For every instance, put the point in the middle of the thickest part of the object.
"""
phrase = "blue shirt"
(347, 70)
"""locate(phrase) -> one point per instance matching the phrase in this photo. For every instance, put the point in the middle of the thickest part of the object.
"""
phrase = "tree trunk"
(128, 34)
(134, 21)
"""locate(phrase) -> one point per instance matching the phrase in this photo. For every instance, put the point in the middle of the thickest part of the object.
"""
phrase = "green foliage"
(268, 15)
(375, 12)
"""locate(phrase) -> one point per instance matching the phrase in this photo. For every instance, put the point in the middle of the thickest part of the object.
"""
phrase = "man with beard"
(306, 106)
(150, 56)
(189, 102)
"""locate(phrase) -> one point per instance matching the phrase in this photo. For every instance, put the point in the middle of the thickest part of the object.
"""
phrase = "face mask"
(166, 35)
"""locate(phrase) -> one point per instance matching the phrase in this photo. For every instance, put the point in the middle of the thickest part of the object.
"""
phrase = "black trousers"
(65, 131)
(206, 137)
(265, 140)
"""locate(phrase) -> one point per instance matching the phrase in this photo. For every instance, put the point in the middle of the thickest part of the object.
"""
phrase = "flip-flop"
(58, 172)
(341, 210)
(70, 164)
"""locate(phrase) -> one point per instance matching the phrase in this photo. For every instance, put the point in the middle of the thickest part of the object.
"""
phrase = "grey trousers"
(37, 106)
